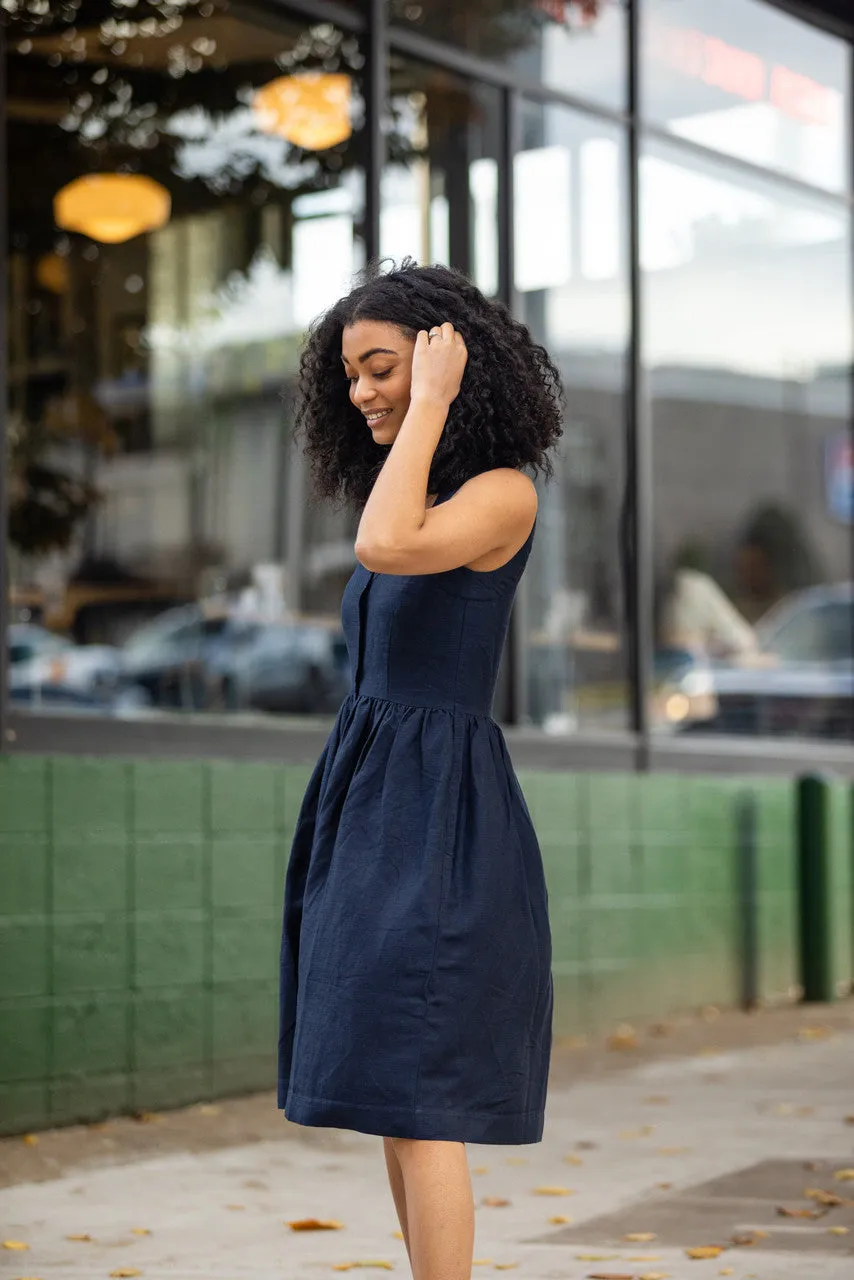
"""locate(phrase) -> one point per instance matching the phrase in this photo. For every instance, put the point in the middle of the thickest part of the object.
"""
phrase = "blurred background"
(665, 201)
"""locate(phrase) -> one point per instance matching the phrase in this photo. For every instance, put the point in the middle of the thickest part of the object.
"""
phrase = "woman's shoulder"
(504, 484)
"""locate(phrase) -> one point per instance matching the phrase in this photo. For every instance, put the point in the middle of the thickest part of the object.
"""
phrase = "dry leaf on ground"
(481, 1168)
(494, 1202)
(84, 1236)
(822, 1197)
(639, 1237)
(560, 1219)
(596, 1257)
(839, 1231)
(368, 1262)
(654, 1275)
(124, 1273)
(573, 1160)
(235, 1207)
(15, 1244)
(783, 1212)
(398, 1235)
(726, 1271)
(553, 1191)
(815, 1033)
(624, 1038)
(505, 1266)
(611, 1275)
(30, 1139)
(314, 1224)
(705, 1251)
(147, 1117)
(481, 1262)
(209, 1109)
(844, 1175)
(140, 1231)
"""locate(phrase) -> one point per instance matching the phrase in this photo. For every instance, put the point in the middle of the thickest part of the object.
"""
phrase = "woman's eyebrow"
(374, 351)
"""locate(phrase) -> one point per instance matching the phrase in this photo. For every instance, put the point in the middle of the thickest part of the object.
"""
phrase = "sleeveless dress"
(416, 986)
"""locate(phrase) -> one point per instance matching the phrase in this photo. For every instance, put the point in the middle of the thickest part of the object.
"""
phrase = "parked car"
(49, 670)
(295, 667)
(801, 682)
(207, 657)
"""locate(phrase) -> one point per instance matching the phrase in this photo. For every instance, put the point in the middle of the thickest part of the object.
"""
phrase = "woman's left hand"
(438, 363)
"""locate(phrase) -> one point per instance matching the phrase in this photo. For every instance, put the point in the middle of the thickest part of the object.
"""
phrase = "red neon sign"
(743, 74)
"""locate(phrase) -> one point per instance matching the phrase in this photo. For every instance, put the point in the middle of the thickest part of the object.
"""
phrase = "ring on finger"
(434, 333)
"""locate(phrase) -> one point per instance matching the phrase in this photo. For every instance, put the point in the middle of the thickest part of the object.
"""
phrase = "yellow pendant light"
(311, 109)
(112, 207)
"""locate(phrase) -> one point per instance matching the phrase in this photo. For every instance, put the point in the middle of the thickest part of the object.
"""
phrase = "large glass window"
(744, 78)
(748, 344)
(185, 194)
(440, 185)
(571, 290)
(575, 46)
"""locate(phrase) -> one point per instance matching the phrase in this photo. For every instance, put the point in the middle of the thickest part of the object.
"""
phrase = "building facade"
(662, 191)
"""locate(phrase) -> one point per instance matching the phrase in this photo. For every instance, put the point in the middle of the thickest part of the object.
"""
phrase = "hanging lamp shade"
(310, 109)
(112, 207)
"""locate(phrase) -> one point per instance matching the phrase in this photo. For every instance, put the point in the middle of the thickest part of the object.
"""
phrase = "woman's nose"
(362, 392)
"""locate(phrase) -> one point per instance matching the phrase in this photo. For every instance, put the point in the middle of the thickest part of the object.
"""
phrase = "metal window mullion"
(4, 401)
(638, 546)
(376, 97)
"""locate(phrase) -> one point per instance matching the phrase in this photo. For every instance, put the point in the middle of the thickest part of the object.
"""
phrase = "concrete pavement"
(694, 1150)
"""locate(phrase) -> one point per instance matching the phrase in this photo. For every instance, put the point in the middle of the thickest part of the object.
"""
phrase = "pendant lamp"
(311, 109)
(112, 207)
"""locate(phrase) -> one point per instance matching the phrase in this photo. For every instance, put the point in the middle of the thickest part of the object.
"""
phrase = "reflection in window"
(577, 46)
(748, 335)
(742, 78)
(440, 185)
(186, 194)
(571, 288)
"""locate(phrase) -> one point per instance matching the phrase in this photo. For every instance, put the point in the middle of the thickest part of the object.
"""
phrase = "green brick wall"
(140, 914)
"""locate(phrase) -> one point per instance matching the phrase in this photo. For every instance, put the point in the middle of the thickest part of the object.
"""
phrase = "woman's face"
(378, 363)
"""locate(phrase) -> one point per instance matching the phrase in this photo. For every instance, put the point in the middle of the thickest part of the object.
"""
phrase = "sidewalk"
(683, 1138)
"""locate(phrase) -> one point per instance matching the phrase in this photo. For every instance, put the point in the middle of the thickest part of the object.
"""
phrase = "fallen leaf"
(628, 1135)
(235, 1207)
(315, 1224)
(822, 1197)
(147, 1117)
(654, 1275)
(744, 1241)
(596, 1257)
(505, 1266)
(573, 1160)
(140, 1231)
(121, 1272)
(726, 1271)
(481, 1168)
(610, 1275)
(664, 1186)
(814, 1033)
(553, 1191)
(15, 1244)
(347, 1266)
(839, 1231)
(639, 1237)
(844, 1175)
(705, 1251)
(86, 1236)
(783, 1212)
(624, 1038)
(30, 1139)
(398, 1235)
(494, 1202)
(560, 1219)
(481, 1262)
(209, 1109)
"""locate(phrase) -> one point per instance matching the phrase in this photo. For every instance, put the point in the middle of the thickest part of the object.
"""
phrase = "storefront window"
(575, 46)
(571, 290)
(748, 344)
(185, 194)
(746, 79)
(440, 186)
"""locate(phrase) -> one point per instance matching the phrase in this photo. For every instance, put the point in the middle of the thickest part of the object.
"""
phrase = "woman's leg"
(438, 1207)
(398, 1190)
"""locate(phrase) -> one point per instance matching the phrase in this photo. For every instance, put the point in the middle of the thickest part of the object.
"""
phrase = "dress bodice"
(433, 639)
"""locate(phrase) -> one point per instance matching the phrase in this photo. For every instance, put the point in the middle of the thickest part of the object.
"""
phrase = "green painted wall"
(140, 910)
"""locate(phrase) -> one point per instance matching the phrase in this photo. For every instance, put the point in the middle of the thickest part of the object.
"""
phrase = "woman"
(416, 990)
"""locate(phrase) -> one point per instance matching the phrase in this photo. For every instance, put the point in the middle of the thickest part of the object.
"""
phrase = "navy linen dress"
(416, 985)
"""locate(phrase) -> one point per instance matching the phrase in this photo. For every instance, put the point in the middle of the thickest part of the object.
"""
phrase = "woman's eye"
(385, 373)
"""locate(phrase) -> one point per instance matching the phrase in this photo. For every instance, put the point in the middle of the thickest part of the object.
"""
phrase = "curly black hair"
(508, 411)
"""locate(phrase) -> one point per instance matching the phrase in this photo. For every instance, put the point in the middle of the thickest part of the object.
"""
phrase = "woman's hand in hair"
(438, 363)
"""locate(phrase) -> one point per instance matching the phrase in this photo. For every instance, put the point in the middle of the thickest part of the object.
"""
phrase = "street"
(679, 1144)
